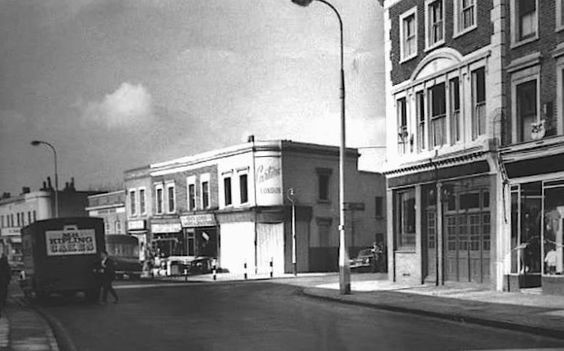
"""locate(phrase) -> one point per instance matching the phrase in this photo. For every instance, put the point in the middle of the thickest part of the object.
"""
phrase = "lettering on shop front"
(266, 173)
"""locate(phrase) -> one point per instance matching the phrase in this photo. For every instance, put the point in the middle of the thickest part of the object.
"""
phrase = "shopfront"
(442, 228)
(168, 239)
(536, 188)
(200, 234)
(138, 229)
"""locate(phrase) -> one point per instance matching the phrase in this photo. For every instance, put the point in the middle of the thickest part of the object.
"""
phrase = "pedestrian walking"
(107, 275)
(5, 277)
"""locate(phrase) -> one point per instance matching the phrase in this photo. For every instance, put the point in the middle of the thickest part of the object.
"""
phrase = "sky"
(119, 84)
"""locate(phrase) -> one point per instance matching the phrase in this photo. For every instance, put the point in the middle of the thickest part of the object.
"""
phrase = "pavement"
(27, 327)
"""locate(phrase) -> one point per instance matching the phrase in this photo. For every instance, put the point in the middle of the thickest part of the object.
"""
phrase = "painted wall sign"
(70, 242)
(10, 231)
(269, 181)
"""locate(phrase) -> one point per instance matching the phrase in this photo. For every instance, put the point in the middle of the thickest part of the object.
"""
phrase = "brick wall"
(465, 44)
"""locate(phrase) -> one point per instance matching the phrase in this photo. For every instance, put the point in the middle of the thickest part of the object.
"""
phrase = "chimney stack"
(26, 190)
(251, 139)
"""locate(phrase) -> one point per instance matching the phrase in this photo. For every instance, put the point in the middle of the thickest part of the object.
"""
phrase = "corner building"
(234, 204)
(475, 125)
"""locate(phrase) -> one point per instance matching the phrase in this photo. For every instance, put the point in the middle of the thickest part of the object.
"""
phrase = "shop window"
(159, 199)
(205, 194)
(107, 227)
(117, 225)
(323, 184)
(554, 230)
(408, 34)
(132, 208)
(421, 119)
(437, 97)
(227, 198)
(451, 232)
(403, 135)
(435, 23)
(379, 206)
(478, 102)
(465, 15)
(243, 188)
(1, 221)
(142, 199)
(486, 228)
(454, 88)
(191, 242)
(405, 219)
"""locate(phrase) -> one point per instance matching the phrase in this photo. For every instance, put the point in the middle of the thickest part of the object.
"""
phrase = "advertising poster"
(70, 242)
(269, 181)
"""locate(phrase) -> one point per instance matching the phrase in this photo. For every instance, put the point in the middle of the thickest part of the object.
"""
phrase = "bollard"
(271, 267)
(214, 271)
(185, 274)
(245, 268)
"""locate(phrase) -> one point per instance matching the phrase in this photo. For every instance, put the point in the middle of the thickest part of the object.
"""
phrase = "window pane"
(421, 130)
(405, 219)
(132, 201)
(142, 208)
(192, 196)
(243, 188)
(227, 191)
(323, 186)
(553, 235)
(479, 102)
(527, 18)
(205, 195)
(526, 109)
(454, 85)
(159, 200)
(171, 200)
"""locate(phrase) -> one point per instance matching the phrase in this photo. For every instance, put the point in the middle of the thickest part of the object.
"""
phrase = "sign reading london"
(70, 242)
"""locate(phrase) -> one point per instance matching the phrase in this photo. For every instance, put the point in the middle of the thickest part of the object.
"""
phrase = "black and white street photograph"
(324, 175)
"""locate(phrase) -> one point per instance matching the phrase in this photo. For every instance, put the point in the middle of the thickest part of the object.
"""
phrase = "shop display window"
(553, 230)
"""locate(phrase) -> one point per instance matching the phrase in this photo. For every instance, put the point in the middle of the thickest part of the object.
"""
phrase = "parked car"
(364, 260)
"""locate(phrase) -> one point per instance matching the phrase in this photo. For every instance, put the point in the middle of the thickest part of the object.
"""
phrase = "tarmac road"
(263, 316)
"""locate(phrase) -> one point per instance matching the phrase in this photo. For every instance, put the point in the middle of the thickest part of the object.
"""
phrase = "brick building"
(233, 204)
(474, 121)
(111, 208)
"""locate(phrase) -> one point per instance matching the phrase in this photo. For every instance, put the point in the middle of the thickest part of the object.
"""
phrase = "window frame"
(432, 142)
(516, 39)
(428, 25)
(159, 199)
(559, 15)
(142, 200)
(205, 196)
(191, 182)
(227, 182)
(476, 127)
(458, 14)
(518, 78)
(403, 39)
(400, 221)
(246, 192)
(324, 173)
(168, 186)
(132, 202)
(402, 129)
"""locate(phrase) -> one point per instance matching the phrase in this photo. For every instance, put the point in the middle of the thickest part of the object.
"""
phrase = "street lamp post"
(344, 268)
(39, 142)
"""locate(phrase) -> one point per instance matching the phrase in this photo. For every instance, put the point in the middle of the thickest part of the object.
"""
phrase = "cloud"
(129, 104)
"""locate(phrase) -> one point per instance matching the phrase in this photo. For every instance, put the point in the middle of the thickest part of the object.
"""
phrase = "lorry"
(124, 251)
(60, 256)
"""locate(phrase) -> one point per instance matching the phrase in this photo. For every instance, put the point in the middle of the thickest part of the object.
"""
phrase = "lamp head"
(35, 142)
(303, 3)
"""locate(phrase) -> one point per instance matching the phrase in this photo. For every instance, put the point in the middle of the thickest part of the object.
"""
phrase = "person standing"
(5, 277)
(107, 275)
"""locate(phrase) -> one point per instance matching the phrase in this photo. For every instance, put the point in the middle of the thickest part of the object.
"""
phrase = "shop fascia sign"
(136, 225)
(166, 228)
(13, 231)
(198, 220)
